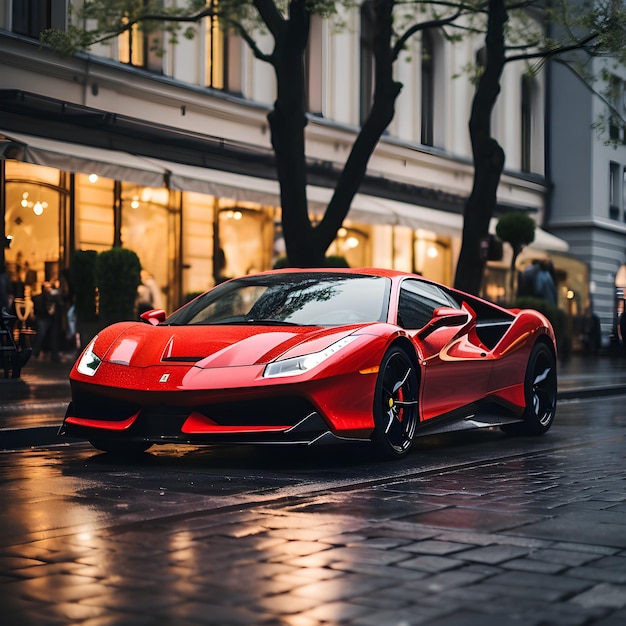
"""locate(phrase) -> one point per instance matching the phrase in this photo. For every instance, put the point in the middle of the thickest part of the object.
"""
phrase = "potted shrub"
(117, 278)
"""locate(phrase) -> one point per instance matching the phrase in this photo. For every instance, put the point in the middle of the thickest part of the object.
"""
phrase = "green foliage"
(117, 278)
(336, 261)
(96, 21)
(83, 276)
(516, 229)
(330, 261)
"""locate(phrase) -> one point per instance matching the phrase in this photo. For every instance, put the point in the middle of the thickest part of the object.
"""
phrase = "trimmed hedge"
(118, 274)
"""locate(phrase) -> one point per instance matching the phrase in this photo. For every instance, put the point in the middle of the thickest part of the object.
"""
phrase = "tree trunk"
(487, 154)
(287, 124)
(306, 245)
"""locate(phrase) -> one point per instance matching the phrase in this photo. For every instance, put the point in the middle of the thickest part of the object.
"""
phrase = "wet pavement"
(477, 528)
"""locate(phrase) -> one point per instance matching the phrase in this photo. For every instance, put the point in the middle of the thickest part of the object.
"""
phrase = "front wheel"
(121, 448)
(540, 390)
(395, 404)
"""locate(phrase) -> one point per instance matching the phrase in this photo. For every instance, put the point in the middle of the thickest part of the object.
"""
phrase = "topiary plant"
(117, 278)
(329, 261)
(518, 230)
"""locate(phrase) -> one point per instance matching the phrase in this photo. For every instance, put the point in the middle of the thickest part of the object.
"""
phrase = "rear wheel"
(122, 448)
(395, 404)
(540, 388)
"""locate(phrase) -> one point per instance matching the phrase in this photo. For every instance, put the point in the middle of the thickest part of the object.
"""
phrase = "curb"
(591, 392)
(37, 436)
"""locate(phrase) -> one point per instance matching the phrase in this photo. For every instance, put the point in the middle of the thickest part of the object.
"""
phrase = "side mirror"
(444, 316)
(154, 317)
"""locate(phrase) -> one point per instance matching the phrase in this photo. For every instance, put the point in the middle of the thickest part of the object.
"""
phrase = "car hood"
(142, 345)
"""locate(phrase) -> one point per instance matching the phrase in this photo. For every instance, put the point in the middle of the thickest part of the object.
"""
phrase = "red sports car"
(313, 356)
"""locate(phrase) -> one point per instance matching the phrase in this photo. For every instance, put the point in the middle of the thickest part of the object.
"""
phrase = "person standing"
(544, 283)
(621, 327)
(48, 311)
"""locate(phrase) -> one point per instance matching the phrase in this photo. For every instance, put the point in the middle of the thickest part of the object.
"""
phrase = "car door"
(455, 365)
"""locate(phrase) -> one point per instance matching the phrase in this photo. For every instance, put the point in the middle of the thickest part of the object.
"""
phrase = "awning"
(72, 157)
(368, 209)
(118, 165)
(221, 184)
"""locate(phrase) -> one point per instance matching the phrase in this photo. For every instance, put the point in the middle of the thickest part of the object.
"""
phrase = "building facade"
(169, 154)
(587, 165)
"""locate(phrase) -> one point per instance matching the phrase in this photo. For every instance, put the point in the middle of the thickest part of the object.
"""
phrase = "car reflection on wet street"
(469, 528)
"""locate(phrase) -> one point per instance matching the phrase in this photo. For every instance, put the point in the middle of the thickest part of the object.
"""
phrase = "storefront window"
(33, 202)
(94, 212)
(353, 245)
(197, 243)
(145, 228)
(431, 256)
(245, 238)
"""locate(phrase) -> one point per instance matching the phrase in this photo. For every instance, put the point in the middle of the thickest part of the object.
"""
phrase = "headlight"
(89, 361)
(301, 364)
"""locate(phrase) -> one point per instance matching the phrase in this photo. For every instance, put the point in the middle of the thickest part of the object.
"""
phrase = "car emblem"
(164, 378)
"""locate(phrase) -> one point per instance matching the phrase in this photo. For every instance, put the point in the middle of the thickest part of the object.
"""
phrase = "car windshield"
(303, 299)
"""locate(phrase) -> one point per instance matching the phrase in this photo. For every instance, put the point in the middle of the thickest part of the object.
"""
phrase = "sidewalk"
(32, 408)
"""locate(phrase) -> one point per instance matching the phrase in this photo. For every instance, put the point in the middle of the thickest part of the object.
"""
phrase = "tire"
(395, 405)
(120, 448)
(540, 390)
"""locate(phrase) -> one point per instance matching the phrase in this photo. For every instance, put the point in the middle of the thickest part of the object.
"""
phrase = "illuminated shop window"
(244, 238)
(431, 256)
(33, 202)
(145, 230)
(352, 244)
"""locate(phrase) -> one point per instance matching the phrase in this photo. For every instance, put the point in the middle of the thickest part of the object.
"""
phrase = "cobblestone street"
(469, 530)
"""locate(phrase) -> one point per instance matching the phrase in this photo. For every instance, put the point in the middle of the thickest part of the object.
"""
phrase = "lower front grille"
(284, 410)
(97, 407)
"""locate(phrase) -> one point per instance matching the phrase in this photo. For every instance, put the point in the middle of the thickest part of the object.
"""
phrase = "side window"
(418, 301)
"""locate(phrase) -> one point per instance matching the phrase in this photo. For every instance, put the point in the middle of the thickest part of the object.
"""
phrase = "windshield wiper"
(269, 322)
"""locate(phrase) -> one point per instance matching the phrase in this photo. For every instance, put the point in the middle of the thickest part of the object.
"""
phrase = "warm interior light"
(135, 202)
(432, 252)
(38, 208)
(93, 178)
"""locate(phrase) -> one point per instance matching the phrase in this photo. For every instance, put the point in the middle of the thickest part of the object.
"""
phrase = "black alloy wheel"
(540, 390)
(395, 404)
